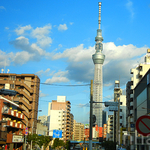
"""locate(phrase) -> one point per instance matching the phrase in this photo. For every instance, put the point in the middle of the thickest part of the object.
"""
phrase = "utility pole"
(91, 116)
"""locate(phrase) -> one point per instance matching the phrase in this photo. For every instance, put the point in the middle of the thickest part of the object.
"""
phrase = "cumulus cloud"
(5, 59)
(22, 43)
(42, 72)
(75, 54)
(20, 30)
(119, 59)
(58, 77)
(62, 27)
(42, 35)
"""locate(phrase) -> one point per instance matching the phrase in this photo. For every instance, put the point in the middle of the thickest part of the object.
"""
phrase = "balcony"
(131, 78)
(131, 103)
(21, 91)
(25, 103)
(131, 71)
(131, 112)
(14, 113)
(131, 95)
(22, 83)
(132, 87)
(140, 74)
(12, 123)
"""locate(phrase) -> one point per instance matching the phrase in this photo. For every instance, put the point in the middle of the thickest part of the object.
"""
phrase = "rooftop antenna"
(8, 70)
(99, 19)
(2, 70)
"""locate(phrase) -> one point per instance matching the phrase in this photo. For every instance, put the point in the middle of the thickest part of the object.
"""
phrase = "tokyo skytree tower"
(98, 59)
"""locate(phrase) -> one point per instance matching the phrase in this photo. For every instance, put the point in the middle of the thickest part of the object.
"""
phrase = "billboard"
(57, 133)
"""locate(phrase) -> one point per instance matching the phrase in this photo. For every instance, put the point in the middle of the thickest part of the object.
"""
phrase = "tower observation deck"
(98, 59)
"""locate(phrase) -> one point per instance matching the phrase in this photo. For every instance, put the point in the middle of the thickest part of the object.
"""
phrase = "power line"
(60, 84)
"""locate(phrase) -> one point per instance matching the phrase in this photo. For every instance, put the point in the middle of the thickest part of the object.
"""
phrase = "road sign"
(111, 104)
(143, 125)
(132, 125)
(113, 108)
(26, 131)
(57, 133)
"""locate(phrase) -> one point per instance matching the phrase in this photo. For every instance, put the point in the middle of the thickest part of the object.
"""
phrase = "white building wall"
(123, 108)
(55, 121)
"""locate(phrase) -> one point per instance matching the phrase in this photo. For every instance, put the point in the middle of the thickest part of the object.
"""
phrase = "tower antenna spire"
(99, 18)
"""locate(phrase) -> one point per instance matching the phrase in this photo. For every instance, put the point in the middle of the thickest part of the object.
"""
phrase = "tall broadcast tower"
(98, 59)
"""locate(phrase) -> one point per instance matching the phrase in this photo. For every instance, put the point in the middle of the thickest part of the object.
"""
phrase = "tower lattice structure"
(98, 59)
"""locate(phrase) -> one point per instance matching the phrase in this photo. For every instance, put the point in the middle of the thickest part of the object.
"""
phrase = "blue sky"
(55, 40)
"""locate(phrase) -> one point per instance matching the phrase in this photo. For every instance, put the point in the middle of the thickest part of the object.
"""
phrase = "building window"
(12, 77)
(12, 86)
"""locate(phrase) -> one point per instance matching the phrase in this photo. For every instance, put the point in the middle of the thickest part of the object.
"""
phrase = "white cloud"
(42, 35)
(71, 23)
(7, 28)
(58, 77)
(41, 72)
(2, 7)
(62, 27)
(5, 59)
(119, 39)
(23, 44)
(21, 30)
(108, 84)
(42, 94)
(75, 54)
(129, 6)
(22, 57)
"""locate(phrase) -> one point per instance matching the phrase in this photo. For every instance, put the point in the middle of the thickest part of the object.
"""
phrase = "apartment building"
(27, 88)
(104, 132)
(11, 124)
(121, 118)
(141, 107)
(42, 129)
(137, 74)
(117, 93)
(110, 128)
(78, 131)
(60, 118)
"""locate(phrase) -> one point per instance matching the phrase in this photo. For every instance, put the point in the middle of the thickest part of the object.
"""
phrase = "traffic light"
(94, 120)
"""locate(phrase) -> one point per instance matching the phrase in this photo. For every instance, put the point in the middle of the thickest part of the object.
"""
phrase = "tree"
(39, 140)
(67, 145)
(58, 143)
(33, 138)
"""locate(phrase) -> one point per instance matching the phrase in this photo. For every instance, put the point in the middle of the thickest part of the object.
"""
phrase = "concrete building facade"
(78, 131)
(110, 128)
(137, 74)
(12, 125)
(27, 86)
(117, 94)
(60, 118)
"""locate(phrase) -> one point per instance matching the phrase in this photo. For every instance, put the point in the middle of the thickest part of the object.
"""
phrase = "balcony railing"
(14, 113)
